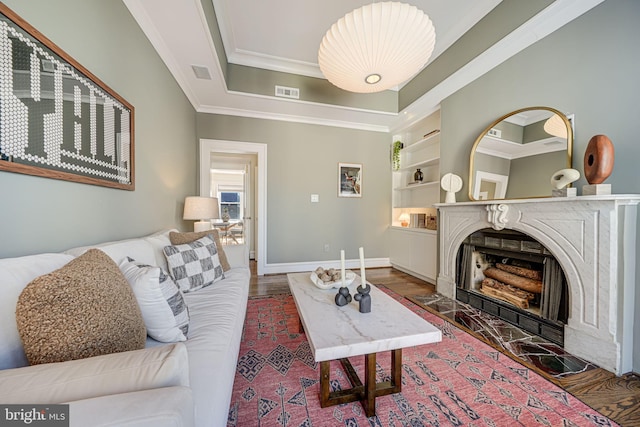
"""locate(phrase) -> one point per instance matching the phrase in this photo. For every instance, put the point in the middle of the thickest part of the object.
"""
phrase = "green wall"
(302, 160)
(523, 169)
(40, 214)
(592, 74)
(590, 68)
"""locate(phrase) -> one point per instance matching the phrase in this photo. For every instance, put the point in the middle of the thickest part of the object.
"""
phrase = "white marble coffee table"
(337, 332)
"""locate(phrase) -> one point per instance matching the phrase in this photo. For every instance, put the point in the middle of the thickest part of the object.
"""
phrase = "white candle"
(342, 275)
(362, 276)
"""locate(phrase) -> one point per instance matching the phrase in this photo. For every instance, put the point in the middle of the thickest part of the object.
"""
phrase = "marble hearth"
(594, 240)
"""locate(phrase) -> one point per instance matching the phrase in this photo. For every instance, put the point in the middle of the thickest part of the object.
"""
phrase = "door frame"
(207, 146)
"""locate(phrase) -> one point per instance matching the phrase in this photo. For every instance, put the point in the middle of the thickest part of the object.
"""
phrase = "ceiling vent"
(288, 92)
(496, 133)
(201, 72)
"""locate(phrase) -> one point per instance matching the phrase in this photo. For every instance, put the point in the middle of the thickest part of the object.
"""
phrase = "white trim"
(212, 145)
(274, 63)
(510, 150)
(547, 21)
(292, 118)
(556, 15)
(407, 270)
(297, 267)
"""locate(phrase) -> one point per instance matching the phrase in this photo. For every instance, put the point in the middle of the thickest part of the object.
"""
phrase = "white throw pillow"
(194, 265)
(164, 311)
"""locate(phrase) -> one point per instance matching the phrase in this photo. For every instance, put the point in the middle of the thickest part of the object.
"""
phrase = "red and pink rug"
(460, 381)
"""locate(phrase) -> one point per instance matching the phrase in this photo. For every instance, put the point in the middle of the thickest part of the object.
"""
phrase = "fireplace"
(514, 277)
(592, 239)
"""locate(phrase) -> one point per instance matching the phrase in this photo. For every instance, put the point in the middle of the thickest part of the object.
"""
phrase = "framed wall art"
(349, 180)
(57, 120)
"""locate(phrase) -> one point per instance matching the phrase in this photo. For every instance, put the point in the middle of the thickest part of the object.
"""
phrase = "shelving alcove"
(414, 250)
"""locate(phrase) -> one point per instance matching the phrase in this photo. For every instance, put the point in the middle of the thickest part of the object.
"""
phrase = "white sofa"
(177, 384)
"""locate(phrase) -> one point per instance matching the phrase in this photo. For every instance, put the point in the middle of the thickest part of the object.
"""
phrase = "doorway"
(232, 182)
(235, 172)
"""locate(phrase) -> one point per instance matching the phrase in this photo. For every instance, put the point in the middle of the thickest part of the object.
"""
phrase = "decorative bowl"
(349, 278)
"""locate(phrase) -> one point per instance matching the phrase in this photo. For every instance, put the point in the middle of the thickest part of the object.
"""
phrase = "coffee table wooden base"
(365, 393)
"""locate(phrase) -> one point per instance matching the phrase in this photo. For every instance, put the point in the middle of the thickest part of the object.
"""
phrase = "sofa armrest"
(237, 255)
(129, 371)
(166, 406)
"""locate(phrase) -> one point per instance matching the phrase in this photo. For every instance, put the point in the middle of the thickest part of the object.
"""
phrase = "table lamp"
(404, 219)
(202, 209)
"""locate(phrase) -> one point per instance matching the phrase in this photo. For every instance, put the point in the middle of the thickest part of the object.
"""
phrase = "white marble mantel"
(594, 240)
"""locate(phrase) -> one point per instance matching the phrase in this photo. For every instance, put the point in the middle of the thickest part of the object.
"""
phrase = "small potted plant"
(395, 155)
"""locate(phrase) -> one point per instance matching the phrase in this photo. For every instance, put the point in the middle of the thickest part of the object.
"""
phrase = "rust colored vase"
(598, 159)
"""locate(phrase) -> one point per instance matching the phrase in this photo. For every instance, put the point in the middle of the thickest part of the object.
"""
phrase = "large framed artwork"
(57, 120)
(349, 180)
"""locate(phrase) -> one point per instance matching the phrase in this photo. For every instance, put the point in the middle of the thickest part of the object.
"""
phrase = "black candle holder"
(364, 298)
(343, 297)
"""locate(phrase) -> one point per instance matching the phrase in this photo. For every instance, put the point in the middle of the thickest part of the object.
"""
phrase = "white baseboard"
(414, 274)
(351, 264)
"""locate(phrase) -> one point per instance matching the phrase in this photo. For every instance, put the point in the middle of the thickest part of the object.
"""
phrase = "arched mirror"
(515, 156)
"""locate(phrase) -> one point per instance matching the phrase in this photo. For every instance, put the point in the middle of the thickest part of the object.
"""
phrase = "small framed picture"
(349, 180)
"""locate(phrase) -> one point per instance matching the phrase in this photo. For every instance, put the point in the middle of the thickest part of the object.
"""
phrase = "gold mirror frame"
(547, 178)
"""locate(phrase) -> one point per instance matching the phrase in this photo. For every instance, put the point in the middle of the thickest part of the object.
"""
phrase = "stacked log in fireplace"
(512, 276)
(513, 284)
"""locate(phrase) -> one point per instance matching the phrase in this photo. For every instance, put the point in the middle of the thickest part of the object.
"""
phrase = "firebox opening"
(514, 277)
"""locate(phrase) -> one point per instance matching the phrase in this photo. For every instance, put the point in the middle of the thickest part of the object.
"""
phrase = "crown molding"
(212, 96)
(255, 114)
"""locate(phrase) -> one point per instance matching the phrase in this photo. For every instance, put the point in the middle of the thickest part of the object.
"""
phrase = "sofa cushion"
(217, 319)
(15, 274)
(83, 309)
(158, 241)
(194, 265)
(164, 311)
(129, 371)
(182, 238)
(158, 407)
(119, 250)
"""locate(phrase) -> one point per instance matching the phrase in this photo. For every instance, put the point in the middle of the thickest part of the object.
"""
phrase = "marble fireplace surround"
(594, 240)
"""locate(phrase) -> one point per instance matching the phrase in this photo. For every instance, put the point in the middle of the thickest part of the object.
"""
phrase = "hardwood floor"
(615, 397)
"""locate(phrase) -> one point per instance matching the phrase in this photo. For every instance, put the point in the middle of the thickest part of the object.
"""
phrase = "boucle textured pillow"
(194, 265)
(164, 311)
(182, 238)
(83, 309)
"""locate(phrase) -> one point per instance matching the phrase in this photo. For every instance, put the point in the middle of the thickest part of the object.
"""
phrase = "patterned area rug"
(460, 381)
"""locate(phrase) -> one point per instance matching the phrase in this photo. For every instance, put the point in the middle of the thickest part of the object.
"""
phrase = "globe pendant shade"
(555, 126)
(376, 47)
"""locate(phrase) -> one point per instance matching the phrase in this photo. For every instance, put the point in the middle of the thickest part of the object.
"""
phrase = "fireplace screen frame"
(550, 308)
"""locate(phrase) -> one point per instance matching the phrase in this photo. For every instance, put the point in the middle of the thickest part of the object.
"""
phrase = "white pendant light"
(377, 47)
(556, 126)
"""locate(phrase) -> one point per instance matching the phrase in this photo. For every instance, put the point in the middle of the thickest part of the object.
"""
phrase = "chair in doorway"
(230, 232)
(237, 233)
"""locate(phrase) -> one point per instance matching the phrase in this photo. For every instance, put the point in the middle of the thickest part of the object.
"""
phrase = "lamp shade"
(376, 47)
(556, 126)
(200, 208)
(404, 219)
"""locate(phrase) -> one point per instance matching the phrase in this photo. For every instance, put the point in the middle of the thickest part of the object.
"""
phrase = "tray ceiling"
(283, 36)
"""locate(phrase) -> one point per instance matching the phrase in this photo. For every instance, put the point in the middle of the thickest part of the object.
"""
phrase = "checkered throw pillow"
(194, 265)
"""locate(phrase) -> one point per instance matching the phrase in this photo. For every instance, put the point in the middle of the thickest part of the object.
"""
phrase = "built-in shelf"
(414, 250)
(431, 139)
(422, 164)
(414, 186)
(415, 230)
